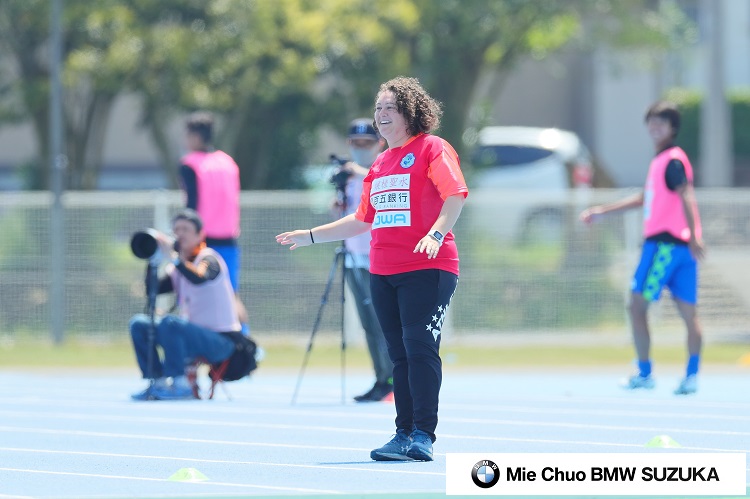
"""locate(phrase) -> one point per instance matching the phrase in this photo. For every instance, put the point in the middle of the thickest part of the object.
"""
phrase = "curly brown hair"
(421, 112)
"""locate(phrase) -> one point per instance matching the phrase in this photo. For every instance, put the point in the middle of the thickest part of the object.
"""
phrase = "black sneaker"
(420, 448)
(380, 391)
(365, 397)
(394, 450)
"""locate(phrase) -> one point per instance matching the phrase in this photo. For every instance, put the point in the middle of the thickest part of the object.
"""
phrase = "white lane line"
(579, 442)
(486, 421)
(484, 408)
(7, 496)
(589, 426)
(595, 412)
(628, 399)
(48, 431)
(277, 387)
(220, 461)
(260, 444)
(146, 479)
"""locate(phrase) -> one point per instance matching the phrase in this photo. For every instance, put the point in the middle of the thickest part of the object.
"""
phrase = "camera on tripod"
(339, 175)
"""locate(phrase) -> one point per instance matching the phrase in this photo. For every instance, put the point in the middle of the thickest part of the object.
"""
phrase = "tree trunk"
(87, 116)
(96, 131)
(155, 120)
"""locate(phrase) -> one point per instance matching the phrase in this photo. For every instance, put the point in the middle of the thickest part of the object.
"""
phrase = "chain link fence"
(529, 268)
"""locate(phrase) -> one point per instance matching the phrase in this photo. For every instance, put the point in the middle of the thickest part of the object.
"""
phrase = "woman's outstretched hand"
(297, 238)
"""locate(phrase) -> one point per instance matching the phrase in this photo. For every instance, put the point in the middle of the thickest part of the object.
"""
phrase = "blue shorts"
(666, 264)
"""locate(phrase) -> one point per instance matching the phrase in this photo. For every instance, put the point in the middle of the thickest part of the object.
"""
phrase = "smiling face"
(391, 124)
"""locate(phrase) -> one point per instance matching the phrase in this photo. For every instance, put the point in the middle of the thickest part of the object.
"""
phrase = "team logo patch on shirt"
(408, 160)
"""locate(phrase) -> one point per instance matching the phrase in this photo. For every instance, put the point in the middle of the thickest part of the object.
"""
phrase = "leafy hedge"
(689, 102)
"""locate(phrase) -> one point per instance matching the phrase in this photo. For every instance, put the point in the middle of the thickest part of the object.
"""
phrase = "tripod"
(340, 257)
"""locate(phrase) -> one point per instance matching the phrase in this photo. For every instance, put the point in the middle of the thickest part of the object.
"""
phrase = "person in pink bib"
(672, 246)
(210, 181)
(411, 198)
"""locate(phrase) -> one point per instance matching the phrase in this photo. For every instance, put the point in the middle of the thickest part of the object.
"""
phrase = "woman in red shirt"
(411, 199)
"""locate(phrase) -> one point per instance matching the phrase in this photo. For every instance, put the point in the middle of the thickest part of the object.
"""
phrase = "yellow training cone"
(664, 441)
(744, 360)
(188, 475)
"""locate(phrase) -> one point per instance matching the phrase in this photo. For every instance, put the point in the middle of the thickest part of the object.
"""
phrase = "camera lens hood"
(143, 244)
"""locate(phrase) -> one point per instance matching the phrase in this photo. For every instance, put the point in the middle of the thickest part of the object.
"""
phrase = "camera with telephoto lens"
(145, 245)
(339, 175)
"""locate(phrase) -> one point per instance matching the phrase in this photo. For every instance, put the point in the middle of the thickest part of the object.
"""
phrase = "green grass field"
(327, 354)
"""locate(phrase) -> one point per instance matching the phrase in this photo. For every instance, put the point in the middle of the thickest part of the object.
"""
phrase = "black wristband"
(311, 236)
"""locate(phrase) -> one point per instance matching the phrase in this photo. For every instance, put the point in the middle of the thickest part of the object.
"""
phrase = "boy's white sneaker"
(688, 385)
(637, 382)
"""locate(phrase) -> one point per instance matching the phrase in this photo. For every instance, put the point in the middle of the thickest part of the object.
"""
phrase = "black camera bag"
(242, 361)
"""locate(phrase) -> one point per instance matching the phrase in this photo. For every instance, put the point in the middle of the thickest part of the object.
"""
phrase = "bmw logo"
(485, 474)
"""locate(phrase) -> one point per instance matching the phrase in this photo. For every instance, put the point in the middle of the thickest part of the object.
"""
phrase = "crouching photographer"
(207, 326)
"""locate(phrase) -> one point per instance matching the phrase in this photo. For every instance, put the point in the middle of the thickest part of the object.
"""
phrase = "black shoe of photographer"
(379, 392)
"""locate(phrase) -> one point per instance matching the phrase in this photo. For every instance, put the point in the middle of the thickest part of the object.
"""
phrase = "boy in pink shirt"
(672, 245)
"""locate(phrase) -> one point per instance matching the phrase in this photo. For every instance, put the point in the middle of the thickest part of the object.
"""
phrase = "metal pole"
(58, 163)
(717, 165)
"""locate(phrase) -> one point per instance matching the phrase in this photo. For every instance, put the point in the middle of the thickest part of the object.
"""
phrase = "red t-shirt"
(402, 197)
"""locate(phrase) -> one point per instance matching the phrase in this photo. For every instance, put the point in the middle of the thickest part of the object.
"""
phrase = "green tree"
(450, 44)
(103, 43)
(276, 71)
(461, 41)
(269, 70)
(23, 31)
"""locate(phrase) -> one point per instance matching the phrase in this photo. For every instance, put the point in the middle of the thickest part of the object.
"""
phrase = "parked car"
(534, 170)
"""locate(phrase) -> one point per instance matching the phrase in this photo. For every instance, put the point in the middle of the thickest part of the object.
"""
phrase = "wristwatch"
(438, 236)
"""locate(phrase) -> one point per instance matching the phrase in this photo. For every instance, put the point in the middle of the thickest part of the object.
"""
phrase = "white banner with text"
(668, 474)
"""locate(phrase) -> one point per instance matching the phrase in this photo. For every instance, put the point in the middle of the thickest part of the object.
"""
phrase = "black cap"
(362, 128)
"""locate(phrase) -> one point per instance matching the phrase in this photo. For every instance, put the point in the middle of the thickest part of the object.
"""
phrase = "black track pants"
(411, 308)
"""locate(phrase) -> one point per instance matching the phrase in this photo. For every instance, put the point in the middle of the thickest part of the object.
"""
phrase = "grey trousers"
(358, 280)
